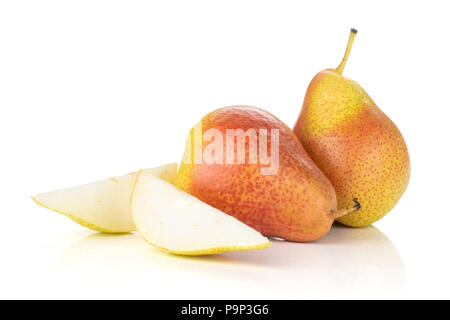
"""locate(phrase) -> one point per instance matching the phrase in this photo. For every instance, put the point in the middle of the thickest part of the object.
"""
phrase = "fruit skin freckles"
(296, 203)
(344, 160)
(354, 143)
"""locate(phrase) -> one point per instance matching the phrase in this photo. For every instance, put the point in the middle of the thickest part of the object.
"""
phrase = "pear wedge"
(104, 205)
(179, 223)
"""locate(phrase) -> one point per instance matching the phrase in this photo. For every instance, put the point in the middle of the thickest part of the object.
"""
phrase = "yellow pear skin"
(354, 143)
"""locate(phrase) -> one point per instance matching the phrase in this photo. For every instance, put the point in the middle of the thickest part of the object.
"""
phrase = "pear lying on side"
(179, 223)
(354, 143)
(293, 200)
(104, 205)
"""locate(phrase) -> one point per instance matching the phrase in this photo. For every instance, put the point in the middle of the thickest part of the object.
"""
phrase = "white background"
(92, 89)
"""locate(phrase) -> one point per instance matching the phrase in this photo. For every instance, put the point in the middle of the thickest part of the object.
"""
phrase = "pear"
(104, 205)
(295, 202)
(354, 143)
(179, 223)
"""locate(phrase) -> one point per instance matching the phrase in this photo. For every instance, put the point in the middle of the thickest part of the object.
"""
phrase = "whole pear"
(296, 202)
(354, 143)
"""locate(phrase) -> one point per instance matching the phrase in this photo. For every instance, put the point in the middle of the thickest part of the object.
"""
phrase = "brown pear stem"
(342, 212)
(341, 67)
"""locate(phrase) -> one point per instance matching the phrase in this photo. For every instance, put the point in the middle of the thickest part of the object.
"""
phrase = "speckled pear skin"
(355, 144)
(295, 204)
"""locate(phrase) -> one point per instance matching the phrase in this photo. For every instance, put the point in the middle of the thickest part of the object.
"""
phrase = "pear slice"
(179, 223)
(102, 205)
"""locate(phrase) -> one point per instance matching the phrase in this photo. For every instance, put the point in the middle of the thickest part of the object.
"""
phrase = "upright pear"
(354, 143)
(290, 199)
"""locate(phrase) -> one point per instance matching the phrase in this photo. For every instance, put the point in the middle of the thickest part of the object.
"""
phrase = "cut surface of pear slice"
(103, 205)
(179, 223)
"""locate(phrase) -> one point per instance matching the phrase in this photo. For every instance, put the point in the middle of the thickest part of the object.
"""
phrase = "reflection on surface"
(347, 262)
(353, 260)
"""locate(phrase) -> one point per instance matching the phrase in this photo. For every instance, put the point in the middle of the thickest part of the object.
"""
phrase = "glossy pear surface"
(355, 144)
(296, 203)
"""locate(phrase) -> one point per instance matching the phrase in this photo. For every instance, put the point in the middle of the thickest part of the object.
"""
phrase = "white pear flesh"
(179, 223)
(104, 205)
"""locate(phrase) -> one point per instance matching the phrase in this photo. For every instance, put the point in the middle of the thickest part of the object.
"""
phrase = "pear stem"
(351, 38)
(342, 212)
